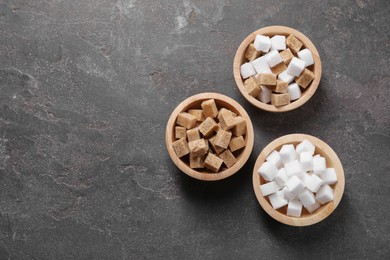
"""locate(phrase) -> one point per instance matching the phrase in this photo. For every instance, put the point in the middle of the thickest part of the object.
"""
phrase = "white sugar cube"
(273, 58)
(307, 198)
(295, 185)
(305, 177)
(306, 160)
(288, 195)
(278, 42)
(262, 43)
(268, 171)
(281, 178)
(324, 194)
(305, 146)
(294, 208)
(277, 200)
(295, 91)
(265, 95)
(274, 158)
(268, 188)
(319, 165)
(284, 76)
(313, 207)
(293, 168)
(306, 56)
(329, 176)
(295, 67)
(317, 155)
(247, 70)
(261, 65)
(288, 153)
(313, 183)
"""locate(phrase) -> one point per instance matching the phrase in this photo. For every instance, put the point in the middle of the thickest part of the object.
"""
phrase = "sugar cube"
(268, 188)
(236, 143)
(198, 113)
(262, 43)
(197, 161)
(313, 207)
(281, 87)
(181, 147)
(274, 158)
(180, 132)
(314, 183)
(284, 76)
(278, 42)
(186, 120)
(228, 158)
(215, 148)
(261, 65)
(247, 70)
(265, 95)
(279, 68)
(213, 162)
(306, 56)
(277, 200)
(305, 146)
(306, 160)
(294, 91)
(288, 195)
(305, 177)
(251, 87)
(207, 127)
(295, 67)
(293, 43)
(240, 126)
(267, 79)
(329, 176)
(222, 138)
(305, 78)
(294, 208)
(286, 55)
(281, 177)
(280, 99)
(307, 198)
(193, 134)
(268, 171)
(251, 53)
(319, 165)
(209, 108)
(226, 119)
(274, 58)
(324, 194)
(295, 185)
(288, 153)
(293, 168)
(199, 147)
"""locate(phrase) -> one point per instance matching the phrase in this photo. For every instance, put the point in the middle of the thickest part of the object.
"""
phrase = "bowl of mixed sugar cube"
(277, 68)
(298, 180)
(209, 136)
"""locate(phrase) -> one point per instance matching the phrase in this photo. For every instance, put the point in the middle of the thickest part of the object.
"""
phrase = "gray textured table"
(87, 88)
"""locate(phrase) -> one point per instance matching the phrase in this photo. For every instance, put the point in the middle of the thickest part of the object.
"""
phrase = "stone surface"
(86, 89)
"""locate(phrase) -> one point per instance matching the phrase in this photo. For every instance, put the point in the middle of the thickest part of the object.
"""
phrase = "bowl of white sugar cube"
(298, 180)
(277, 68)
(209, 136)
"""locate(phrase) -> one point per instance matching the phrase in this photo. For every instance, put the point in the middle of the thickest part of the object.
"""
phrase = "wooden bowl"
(332, 161)
(241, 155)
(239, 59)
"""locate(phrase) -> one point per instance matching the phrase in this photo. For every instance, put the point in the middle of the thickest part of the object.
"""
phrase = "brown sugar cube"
(193, 134)
(287, 56)
(181, 147)
(209, 108)
(207, 127)
(293, 43)
(267, 79)
(186, 120)
(215, 148)
(198, 113)
(279, 68)
(305, 78)
(226, 119)
(180, 132)
(228, 158)
(281, 87)
(197, 161)
(280, 99)
(199, 147)
(240, 127)
(236, 143)
(213, 162)
(251, 53)
(252, 87)
(222, 139)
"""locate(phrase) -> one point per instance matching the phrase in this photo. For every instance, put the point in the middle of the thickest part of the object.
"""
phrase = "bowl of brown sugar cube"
(209, 136)
(277, 68)
(298, 180)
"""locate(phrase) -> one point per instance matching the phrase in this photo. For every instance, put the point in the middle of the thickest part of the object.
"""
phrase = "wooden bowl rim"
(325, 210)
(273, 30)
(209, 176)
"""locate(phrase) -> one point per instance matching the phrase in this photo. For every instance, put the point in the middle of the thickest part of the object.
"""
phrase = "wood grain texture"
(221, 101)
(332, 161)
(271, 31)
